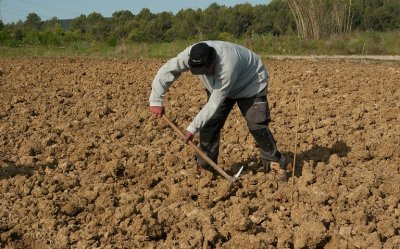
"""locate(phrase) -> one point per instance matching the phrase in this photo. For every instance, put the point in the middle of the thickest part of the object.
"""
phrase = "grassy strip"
(366, 43)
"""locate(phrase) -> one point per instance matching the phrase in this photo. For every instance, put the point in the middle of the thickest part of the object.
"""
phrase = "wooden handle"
(200, 152)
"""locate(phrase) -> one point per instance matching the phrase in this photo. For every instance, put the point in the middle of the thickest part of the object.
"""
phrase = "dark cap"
(200, 58)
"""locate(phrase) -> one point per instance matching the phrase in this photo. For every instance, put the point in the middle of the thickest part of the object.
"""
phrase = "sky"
(15, 10)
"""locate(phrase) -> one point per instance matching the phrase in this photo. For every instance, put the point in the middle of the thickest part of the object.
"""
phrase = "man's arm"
(224, 79)
(166, 75)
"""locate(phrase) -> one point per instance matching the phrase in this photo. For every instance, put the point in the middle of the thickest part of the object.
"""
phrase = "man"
(231, 74)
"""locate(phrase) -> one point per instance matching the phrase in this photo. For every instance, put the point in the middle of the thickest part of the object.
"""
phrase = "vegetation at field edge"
(287, 27)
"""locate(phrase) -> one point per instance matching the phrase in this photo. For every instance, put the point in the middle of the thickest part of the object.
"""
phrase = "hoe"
(204, 155)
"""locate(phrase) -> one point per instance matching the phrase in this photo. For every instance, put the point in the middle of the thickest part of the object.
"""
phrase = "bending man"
(231, 74)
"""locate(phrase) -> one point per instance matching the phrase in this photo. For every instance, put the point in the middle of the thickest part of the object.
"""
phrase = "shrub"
(111, 41)
(5, 37)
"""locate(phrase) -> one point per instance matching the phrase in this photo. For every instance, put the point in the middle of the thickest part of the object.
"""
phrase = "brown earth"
(83, 164)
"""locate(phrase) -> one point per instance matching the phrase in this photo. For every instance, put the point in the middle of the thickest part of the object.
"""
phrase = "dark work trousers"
(256, 112)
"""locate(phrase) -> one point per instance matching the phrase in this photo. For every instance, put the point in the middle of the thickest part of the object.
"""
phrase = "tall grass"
(366, 43)
(316, 19)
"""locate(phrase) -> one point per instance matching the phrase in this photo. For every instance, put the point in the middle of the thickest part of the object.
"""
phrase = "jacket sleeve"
(222, 85)
(166, 75)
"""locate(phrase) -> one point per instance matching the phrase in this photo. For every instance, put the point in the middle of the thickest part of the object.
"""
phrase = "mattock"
(204, 155)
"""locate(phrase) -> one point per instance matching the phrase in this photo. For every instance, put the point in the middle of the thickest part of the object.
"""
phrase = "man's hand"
(188, 136)
(158, 110)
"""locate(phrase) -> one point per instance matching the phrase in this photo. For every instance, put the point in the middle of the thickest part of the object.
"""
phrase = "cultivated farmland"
(84, 164)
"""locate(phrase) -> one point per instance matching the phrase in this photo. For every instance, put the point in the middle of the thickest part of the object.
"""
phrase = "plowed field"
(84, 164)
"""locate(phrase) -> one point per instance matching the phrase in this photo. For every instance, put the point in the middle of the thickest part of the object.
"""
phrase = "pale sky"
(14, 10)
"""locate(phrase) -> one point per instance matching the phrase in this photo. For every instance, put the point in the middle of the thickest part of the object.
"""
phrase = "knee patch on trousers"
(258, 115)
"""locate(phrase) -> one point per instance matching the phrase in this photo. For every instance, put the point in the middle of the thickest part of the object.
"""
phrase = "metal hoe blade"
(239, 172)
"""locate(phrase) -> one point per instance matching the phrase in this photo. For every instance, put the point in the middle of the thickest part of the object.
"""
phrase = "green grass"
(366, 43)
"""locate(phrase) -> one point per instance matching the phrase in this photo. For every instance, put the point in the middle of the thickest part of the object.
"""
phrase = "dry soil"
(84, 164)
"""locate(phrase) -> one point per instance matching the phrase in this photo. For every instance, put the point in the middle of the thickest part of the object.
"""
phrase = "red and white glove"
(188, 136)
(158, 110)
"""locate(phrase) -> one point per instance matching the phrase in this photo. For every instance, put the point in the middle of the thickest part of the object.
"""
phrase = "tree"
(79, 23)
(378, 15)
(274, 18)
(381, 15)
(210, 19)
(97, 26)
(393, 10)
(122, 24)
(145, 15)
(17, 30)
(122, 16)
(5, 36)
(50, 24)
(157, 28)
(239, 19)
(33, 21)
(186, 24)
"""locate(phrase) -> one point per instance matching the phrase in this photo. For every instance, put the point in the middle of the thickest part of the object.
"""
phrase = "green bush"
(73, 36)
(46, 44)
(32, 38)
(137, 35)
(111, 41)
(367, 43)
(225, 36)
(391, 41)
(5, 37)
(50, 39)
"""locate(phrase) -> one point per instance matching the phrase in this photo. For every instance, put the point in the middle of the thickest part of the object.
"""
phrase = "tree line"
(279, 17)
